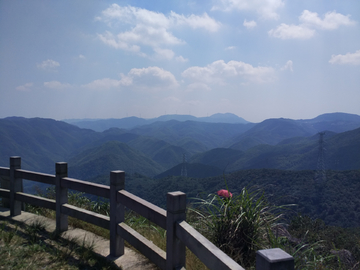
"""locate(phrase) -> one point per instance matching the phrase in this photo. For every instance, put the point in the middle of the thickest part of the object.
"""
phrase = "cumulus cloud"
(181, 59)
(346, 59)
(48, 65)
(164, 53)
(104, 84)
(56, 85)
(288, 66)
(331, 20)
(151, 79)
(266, 9)
(24, 87)
(82, 57)
(197, 86)
(309, 22)
(219, 72)
(285, 31)
(249, 24)
(230, 48)
(148, 28)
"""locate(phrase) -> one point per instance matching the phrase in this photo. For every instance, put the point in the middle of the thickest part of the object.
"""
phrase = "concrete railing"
(179, 234)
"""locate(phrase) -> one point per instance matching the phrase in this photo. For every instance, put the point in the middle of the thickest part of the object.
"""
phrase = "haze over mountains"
(218, 143)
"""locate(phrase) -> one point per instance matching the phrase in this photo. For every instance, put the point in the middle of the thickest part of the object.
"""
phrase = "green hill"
(335, 201)
(40, 142)
(341, 153)
(219, 157)
(108, 157)
(196, 170)
(211, 135)
(271, 131)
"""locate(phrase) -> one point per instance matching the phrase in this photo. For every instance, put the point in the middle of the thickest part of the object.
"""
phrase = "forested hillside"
(274, 143)
(335, 201)
(158, 150)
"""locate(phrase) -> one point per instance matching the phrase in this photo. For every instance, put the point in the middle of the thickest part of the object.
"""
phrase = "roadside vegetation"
(239, 224)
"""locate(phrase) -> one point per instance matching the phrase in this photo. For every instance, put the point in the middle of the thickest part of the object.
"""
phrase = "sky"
(258, 59)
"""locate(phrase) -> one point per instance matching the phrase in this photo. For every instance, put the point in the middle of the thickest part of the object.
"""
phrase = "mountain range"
(131, 122)
(219, 143)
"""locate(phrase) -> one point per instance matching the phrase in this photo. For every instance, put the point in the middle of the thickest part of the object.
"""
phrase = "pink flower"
(224, 193)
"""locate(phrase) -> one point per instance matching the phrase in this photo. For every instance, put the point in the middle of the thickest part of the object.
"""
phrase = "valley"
(281, 153)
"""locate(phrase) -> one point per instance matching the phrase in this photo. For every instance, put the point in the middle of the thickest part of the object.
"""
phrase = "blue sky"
(257, 59)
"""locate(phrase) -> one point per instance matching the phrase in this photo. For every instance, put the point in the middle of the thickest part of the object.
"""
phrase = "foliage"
(238, 225)
(332, 241)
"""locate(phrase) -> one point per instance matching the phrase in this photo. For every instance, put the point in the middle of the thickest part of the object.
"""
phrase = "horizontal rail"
(206, 251)
(5, 172)
(4, 193)
(35, 176)
(145, 246)
(144, 208)
(87, 187)
(36, 200)
(86, 215)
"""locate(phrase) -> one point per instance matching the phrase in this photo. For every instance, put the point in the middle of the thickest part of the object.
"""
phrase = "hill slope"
(111, 156)
(211, 135)
(40, 142)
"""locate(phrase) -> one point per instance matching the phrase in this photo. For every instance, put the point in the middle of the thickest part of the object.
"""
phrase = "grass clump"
(238, 225)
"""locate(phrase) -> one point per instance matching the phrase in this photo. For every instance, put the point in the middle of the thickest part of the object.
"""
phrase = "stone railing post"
(274, 259)
(61, 196)
(16, 185)
(176, 211)
(117, 213)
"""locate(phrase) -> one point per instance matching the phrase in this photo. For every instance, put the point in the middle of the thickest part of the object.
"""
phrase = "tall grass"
(238, 225)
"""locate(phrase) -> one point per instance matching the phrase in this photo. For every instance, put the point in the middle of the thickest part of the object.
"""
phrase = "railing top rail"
(5, 171)
(87, 187)
(35, 176)
(146, 209)
(206, 251)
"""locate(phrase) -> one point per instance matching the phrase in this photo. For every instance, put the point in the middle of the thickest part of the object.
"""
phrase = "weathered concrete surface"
(130, 260)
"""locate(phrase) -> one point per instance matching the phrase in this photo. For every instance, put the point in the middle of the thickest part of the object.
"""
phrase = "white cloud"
(24, 87)
(288, 66)
(230, 48)
(164, 53)
(309, 21)
(249, 24)
(181, 59)
(195, 21)
(285, 31)
(197, 86)
(331, 21)
(267, 9)
(148, 28)
(56, 85)
(219, 71)
(48, 65)
(103, 84)
(151, 79)
(81, 56)
(346, 59)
